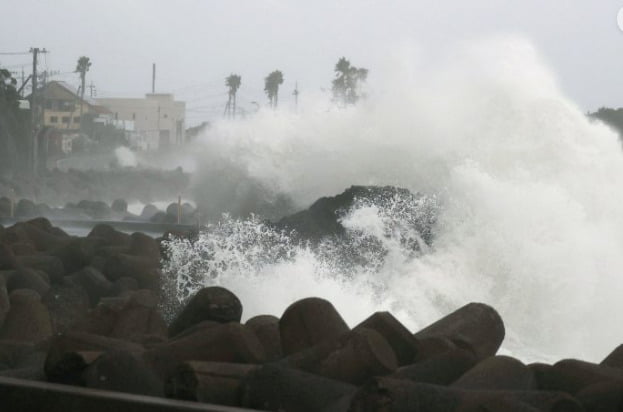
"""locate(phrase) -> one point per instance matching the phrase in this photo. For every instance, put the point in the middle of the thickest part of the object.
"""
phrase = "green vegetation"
(271, 87)
(347, 84)
(612, 117)
(83, 66)
(14, 125)
(232, 82)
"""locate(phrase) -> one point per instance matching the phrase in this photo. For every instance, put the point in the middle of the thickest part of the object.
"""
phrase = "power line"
(14, 53)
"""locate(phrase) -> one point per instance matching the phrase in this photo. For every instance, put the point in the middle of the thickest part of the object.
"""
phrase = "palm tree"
(84, 63)
(347, 82)
(233, 83)
(271, 87)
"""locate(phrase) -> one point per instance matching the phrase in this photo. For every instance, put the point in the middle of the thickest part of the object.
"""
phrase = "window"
(66, 106)
(76, 119)
(65, 119)
(133, 116)
(166, 115)
(53, 119)
(48, 104)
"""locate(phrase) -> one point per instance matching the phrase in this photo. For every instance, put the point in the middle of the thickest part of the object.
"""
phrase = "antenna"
(296, 96)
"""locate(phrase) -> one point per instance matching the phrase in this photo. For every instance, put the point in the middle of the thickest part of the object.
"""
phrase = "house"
(62, 107)
(61, 113)
(156, 121)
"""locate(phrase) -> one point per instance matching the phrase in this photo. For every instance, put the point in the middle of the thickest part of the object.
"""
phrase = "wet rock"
(109, 235)
(23, 249)
(119, 206)
(172, 210)
(144, 270)
(614, 358)
(397, 335)
(475, 326)
(124, 286)
(25, 208)
(441, 369)
(433, 346)
(95, 209)
(70, 353)
(28, 319)
(129, 317)
(498, 373)
(212, 303)
(29, 279)
(146, 246)
(354, 357)
(77, 252)
(276, 388)
(5, 303)
(572, 375)
(122, 371)
(601, 397)
(14, 354)
(70, 366)
(230, 342)
(148, 212)
(308, 322)
(51, 265)
(400, 395)
(41, 234)
(67, 303)
(323, 217)
(266, 328)
(209, 382)
(94, 283)
(540, 370)
(7, 258)
(5, 207)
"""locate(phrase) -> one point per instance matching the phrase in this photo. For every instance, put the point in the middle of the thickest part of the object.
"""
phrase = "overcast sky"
(196, 43)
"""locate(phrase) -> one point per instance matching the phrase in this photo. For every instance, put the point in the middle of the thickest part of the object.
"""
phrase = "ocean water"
(527, 194)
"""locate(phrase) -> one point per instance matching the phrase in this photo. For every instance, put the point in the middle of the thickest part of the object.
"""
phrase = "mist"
(513, 163)
(353, 205)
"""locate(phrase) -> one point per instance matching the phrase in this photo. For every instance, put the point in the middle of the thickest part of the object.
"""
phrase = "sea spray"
(125, 157)
(388, 225)
(530, 218)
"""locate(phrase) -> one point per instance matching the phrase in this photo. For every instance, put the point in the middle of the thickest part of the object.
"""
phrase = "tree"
(233, 83)
(346, 86)
(9, 98)
(271, 87)
(14, 125)
(83, 66)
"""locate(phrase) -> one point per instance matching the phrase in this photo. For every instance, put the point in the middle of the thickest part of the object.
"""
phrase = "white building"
(156, 121)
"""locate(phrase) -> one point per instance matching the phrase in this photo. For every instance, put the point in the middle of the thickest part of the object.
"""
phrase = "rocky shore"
(57, 188)
(99, 210)
(85, 311)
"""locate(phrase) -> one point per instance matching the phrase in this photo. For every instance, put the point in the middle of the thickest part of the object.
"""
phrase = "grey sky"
(195, 44)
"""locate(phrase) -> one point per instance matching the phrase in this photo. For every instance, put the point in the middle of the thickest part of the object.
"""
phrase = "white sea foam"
(529, 192)
(125, 157)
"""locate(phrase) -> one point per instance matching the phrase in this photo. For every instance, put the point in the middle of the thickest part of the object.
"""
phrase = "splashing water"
(125, 157)
(528, 191)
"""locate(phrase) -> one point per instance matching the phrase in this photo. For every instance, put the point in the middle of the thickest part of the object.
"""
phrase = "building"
(61, 113)
(156, 121)
(62, 107)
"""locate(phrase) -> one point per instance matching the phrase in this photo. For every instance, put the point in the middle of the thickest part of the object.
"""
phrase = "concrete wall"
(157, 117)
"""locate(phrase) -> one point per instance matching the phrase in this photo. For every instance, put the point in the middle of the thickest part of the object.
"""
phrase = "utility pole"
(23, 79)
(34, 110)
(296, 96)
(92, 90)
(158, 126)
(153, 78)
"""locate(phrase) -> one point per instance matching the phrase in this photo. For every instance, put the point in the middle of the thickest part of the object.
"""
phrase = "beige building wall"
(158, 118)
